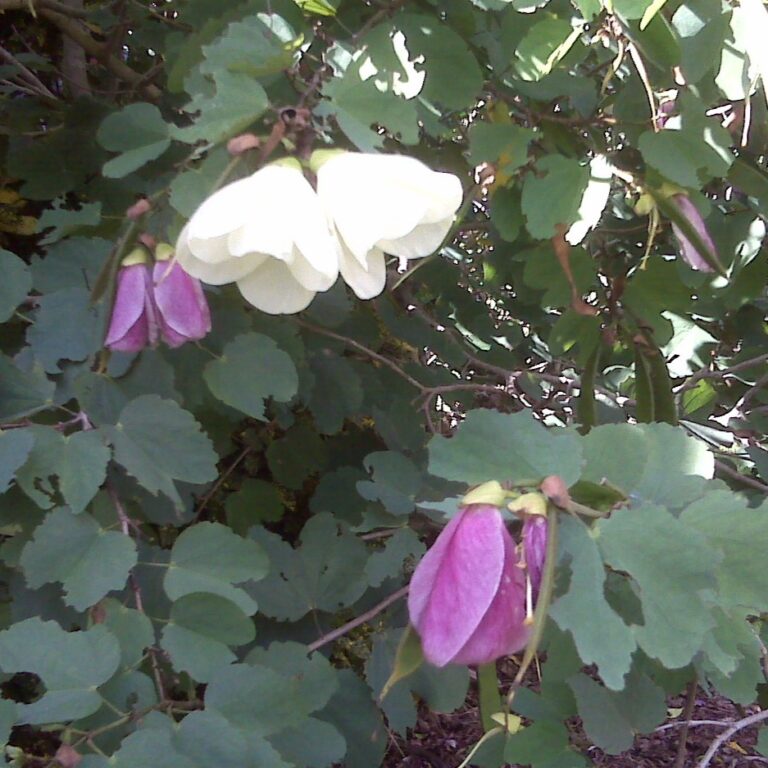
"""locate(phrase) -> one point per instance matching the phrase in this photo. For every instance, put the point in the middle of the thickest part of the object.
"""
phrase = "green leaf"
(67, 327)
(552, 194)
(15, 447)
(408, 658)
(7, 720)
(337, 392)
(76, 551)
(239, 100)
(256, 502)
(132, 628)
(23, 393)
(682, 157)
(297, 455)
(82, 467)
(612, 719)
(352, 711)
(737, 532)
(138, 132)
(388, 563)
(314, 743)
(325, 573)
(201, 628)
(70, 664)
(653, 463)
(503, 144)
(673, 567)
(396, 481)
(190, 188)
(209, 557)
(604, 640)
(494, 446)
(252, 368)
(545, 743)
(453, 76)
(157, 442)
(16, 283)
(543, 46)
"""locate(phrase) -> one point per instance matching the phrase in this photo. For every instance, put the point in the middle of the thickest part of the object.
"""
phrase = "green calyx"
(288, 162)
(529, 504)
(487, 493)
(321, 156)
(138, 255)
(164, 252)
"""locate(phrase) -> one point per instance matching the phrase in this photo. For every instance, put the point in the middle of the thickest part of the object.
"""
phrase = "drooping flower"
(535, 536)
(383, 204)
(690, 253)
(269, 234)
(182, 309)
(133, 324)
(467, 595)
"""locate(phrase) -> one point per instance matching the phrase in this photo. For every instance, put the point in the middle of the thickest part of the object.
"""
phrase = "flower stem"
(488, 694)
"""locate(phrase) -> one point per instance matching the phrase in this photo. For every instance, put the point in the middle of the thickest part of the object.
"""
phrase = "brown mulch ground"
(443, 740)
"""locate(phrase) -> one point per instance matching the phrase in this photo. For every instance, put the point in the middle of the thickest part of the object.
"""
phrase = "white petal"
(214, 250)
(365, 282)
(377, 199)
(215, 274)
(273, 289)
(309, 277)
(224, 211)
(422, 241)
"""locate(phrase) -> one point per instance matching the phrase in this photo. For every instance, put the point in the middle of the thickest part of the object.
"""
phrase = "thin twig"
(692, 724)
(721, 373)
(28, 75)
(358, 620)
(739, 725)
(690, 704)
(220, 481)
(745, 479)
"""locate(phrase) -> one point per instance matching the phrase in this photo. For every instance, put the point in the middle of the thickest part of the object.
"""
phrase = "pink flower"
(535, 535)
(691, 255)
(133, 324)
(467, 595)
(182, 309)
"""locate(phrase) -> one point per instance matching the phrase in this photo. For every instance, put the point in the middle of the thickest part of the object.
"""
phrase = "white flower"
(269, 234)
(383, 204)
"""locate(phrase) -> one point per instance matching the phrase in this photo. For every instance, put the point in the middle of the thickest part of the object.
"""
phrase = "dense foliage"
(205, 548)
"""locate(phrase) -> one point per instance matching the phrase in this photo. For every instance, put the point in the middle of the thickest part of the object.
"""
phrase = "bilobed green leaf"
(132, 628)
(70, 664)
(190, 188)
(255, 502)
(138, 132)
(552, 194)
(252, 368)
(544, 743)
(388, 562)
(653, 463)
(209, 557)
(494, 446)
(67, 327)
(408, 659)
(604, 640)
(613, 718)
(16, 283)
(395, 481)
(202, 626)
(543, 45)
(158, 442)
(737, 532)
(337, 392)
(674, 567)
(313, 743)
(680, 156)
(297, 455)
(325, 573)
(239, 100)
(15, 446)
(22, 393)
(76, 551)
(503, 144)
(7, 719)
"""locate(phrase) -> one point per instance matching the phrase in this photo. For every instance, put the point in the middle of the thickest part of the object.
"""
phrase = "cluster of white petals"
(282, 241)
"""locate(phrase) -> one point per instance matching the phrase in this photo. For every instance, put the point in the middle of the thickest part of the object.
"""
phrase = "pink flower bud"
(133, 324)
(535, 535)
(182, 309)
(688, 250)
(242, 143)
(138, 209)
(467, 595)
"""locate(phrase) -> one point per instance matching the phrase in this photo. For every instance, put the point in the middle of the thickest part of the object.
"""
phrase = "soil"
(444, 740)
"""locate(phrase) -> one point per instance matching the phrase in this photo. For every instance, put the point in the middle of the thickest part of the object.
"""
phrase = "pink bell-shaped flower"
(182, 310)
(467, 595)
(133, 324)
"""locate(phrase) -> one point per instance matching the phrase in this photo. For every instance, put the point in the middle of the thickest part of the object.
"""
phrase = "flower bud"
(535, 536)
(467, 595)
(691, 255)
(243, 143)
(138, 209)
(133, 324)
(182, 309)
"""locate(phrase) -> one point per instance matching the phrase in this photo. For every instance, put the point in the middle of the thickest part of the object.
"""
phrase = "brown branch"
(358, 620)
(73, 29)
(745, 479)
(690, 705)
(74, 66)
(721, 373)
(739, 725)
(30, 78)
(54, 5)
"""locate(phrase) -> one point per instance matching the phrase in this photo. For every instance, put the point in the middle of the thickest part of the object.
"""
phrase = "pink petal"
(132, 318)
(535, 549)
(182, 309)
(457, 581)
(688, 251)
(503, 629)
